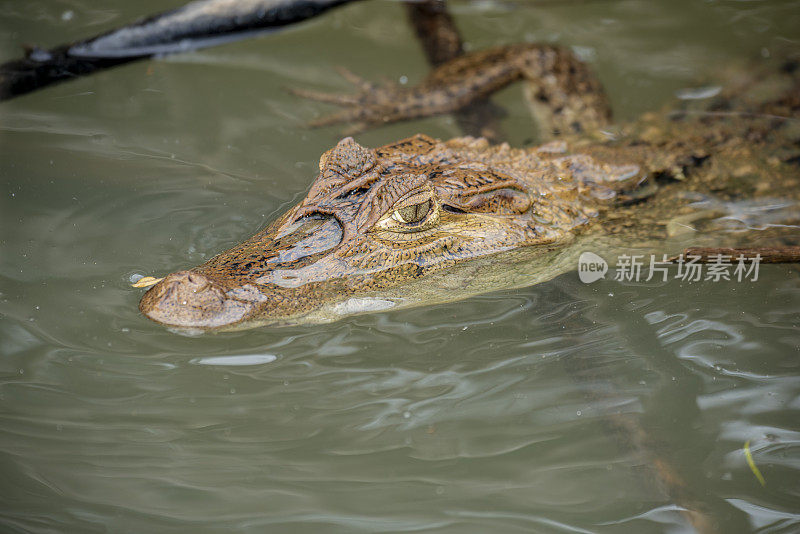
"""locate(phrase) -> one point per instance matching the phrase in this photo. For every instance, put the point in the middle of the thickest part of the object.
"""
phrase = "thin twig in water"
(766, 254)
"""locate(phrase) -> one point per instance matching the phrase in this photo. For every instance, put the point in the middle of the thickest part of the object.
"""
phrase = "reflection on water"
(504, 412)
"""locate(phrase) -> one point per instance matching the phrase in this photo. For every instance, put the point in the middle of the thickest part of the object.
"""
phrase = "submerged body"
(421, 220)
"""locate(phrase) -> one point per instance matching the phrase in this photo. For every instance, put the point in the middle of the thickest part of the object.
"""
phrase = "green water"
(476, 416)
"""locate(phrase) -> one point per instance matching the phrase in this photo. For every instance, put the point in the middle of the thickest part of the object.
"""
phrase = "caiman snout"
(187, 299)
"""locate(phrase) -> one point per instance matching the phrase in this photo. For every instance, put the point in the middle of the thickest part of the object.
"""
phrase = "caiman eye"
(412, 214)
(415, 213)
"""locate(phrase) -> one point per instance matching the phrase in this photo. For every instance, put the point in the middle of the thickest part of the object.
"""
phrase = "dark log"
(199, 24)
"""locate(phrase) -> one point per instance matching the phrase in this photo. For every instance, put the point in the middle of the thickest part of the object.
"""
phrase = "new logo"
(591, 267)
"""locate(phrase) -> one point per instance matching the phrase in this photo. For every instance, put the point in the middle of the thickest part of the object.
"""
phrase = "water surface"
(476, 416)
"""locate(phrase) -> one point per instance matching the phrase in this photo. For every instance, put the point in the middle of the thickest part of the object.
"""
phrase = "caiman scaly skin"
(382, 221)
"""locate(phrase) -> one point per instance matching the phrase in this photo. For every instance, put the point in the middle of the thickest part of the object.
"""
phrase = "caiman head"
(376, 219)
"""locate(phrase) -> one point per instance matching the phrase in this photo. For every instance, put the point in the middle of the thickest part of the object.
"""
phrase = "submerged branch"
(441, 41)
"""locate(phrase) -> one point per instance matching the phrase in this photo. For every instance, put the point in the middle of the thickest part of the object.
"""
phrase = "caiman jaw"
(187, 299)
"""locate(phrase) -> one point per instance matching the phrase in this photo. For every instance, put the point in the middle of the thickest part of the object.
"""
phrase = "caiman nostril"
(190, 299)
(196, 281)
(188, 280)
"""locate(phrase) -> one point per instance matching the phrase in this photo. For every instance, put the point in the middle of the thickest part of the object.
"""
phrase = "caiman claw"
(371, 105)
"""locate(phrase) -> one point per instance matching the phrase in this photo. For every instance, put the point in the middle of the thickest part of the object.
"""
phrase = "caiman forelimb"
(564, 95)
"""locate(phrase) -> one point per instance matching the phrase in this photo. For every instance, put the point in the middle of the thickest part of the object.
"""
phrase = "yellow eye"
(412, 214)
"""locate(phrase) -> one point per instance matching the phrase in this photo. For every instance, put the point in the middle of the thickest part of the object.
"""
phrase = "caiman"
(421, 220)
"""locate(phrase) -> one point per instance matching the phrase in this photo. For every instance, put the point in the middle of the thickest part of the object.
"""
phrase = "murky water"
(489, 415)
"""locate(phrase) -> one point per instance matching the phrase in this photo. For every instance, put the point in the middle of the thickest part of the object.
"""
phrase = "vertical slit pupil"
(415, 213)
(422, 210)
